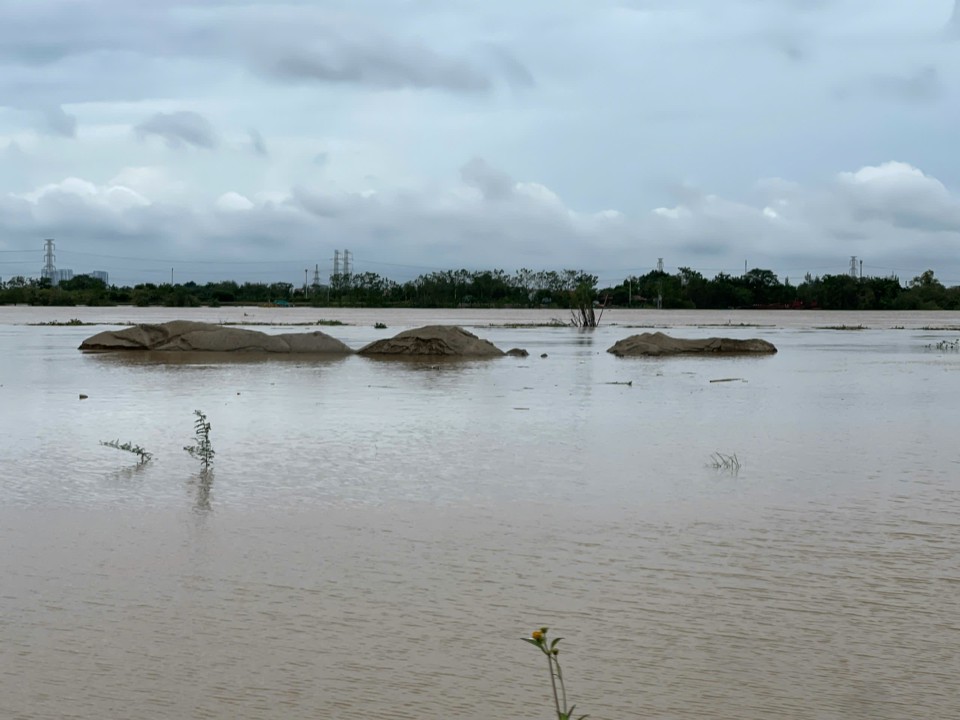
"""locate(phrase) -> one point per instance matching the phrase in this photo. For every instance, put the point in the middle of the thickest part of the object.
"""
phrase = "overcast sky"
(247, 140)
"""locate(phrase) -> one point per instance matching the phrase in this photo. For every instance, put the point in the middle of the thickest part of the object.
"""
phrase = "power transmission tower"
(316, 275)
(347, 260)
(853, 266)
(336, 263)
(49, 266)
(659, 265)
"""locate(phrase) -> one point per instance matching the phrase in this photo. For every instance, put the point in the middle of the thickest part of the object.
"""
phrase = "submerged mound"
(660, 344)
(435, 341)
(188, 336)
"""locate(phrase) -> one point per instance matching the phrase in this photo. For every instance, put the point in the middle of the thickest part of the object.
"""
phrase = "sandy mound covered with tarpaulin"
(188, 336)
(433, 341)
(660, 344)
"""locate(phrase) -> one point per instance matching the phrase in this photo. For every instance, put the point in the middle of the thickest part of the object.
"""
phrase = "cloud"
(902, 196)
(383, 63)
(517, 74)
(179, 129)
(149, 51)
(60, 122)
(493, 184)
(892, 214)
(922, 86)
(233, 202)
(13, 152)
(257, 143)
(321, 159)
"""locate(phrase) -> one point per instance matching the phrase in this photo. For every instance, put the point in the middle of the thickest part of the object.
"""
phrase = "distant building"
(58, 276)
(101, 275)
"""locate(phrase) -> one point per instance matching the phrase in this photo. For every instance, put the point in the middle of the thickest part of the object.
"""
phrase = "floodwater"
(375, 537)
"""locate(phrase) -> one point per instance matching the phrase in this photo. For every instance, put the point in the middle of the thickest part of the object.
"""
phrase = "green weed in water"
(142, 455)
(202, 449)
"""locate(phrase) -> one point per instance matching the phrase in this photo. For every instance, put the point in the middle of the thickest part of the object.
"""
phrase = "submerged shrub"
(202, 449)
(142, 455)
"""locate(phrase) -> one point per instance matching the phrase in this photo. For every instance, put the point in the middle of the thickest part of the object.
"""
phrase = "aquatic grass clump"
(729, 463)
(143, 456)
(72, 322)
(945, 345)
(538, 638)
(202, 449)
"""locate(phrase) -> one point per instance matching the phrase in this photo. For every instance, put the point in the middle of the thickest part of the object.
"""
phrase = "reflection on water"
(379, 534)
(204, 485)
(208, 358)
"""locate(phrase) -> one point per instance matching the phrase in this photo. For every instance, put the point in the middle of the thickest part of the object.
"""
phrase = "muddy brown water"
(375, 537)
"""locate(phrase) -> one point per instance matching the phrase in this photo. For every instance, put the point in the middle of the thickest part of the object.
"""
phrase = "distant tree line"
(563, 289)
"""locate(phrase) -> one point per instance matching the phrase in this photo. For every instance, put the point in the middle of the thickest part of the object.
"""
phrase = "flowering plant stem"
(538, 638)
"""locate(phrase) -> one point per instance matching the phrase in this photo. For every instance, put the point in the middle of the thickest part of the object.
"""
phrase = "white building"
(58, 276)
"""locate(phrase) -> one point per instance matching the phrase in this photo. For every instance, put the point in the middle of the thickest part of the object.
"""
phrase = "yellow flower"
(537, 635)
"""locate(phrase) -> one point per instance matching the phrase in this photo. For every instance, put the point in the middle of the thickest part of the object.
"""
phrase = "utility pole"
(861, 269)
(171, 277)
(305, 271)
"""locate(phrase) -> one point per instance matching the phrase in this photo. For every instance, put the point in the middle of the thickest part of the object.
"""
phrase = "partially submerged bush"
(202, 449)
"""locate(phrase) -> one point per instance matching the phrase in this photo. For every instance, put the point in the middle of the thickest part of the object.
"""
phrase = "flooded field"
(376, 536)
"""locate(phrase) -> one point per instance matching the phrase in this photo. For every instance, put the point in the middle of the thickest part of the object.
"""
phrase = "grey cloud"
(920, 87)
(685, 193)
(331, 205)
(13, 151)
(380, 63)
(60, 122)
(321, 159)
(493, 184)
(129, 56)
(257, 143)
(44, 32)
(179, 129)
(792, 48)
(517, 74)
